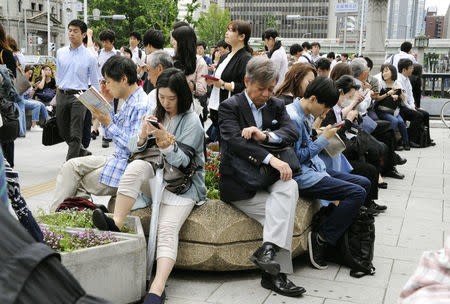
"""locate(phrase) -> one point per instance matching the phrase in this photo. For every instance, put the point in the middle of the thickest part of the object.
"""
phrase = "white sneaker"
(49, 108)
(36, 129)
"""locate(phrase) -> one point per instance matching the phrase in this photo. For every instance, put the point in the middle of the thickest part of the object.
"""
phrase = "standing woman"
(16, 51)
(277, 53)
(184, 42)
(177, 122)
(7, 58)
(231, 68)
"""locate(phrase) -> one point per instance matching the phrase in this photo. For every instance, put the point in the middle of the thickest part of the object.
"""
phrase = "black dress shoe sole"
(98, 218)
(273, 268)
(311, 255)
(270, 286)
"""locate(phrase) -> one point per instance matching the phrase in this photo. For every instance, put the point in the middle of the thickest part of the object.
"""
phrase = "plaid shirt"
(124, 124)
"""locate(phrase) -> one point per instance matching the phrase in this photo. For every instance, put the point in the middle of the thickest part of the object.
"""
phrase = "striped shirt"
(124, 125)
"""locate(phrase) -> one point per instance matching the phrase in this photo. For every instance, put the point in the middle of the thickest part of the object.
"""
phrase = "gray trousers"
(274, 209)
(70, 114)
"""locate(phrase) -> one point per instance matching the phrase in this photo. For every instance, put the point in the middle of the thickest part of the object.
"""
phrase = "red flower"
(218, 174)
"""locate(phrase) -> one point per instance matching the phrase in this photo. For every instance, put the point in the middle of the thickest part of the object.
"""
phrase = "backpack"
(355, 247)
(80, 204)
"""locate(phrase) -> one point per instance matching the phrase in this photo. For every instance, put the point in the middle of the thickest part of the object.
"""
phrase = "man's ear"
(246, 81)
(124, 79)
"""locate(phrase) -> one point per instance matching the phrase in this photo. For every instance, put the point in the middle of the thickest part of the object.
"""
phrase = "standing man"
(245, 120)
(153, 41)
(315, 56)
(76, 67)
(405, 53)
(135, 39)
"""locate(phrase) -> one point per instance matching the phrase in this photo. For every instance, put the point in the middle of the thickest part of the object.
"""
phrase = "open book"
(94, 101)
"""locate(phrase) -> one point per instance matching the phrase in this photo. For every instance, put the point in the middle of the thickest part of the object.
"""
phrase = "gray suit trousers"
(274, 209)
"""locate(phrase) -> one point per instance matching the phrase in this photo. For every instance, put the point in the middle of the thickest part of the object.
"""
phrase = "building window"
(33, 6)
(40, 7)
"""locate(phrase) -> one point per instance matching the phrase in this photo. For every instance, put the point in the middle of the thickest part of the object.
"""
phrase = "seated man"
(242, 121)
(100, 175)
(316, 181)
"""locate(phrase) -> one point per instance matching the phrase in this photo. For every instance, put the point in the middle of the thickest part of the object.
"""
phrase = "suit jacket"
(234, 115)
(234, 71)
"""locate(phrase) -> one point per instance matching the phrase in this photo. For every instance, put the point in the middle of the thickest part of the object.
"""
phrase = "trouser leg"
(370, 172)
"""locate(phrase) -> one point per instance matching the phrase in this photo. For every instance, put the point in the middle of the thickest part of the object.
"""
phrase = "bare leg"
(164, 267)
(122, 208)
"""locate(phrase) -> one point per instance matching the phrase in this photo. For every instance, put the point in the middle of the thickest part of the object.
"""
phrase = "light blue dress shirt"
(76, 68)
(257, 115)
(307, 151)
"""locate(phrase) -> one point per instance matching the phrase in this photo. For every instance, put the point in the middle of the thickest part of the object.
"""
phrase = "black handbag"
(50, 134)
(260, 177)
(9, 131)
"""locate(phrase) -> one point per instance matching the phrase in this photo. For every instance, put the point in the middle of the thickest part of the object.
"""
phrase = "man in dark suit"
(245, 120)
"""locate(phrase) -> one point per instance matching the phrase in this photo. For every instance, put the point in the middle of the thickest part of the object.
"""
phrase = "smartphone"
(210, 77)
(338, 124)
(153, 122)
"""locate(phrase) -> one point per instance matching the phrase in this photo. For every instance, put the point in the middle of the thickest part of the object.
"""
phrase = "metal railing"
(436, 84)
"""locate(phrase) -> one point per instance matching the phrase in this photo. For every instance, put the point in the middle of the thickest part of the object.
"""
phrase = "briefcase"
(50, 135)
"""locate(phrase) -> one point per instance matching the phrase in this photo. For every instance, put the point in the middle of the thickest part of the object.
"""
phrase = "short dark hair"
(223, 44)
(154, 38)
(107, 35)
(344, 55)
(324, 90)
(369, 62)
(179, 24)
(417, 70)
(315, 43)
(136, 35)
(201, 43)
(323, 64)
(295, 48)
(331, 55)
(346, 83)
(127, 50)
(118, 66)
(406, 47)
(392, 68)
(306, 45)
(175, 80)
(404, 63)
(78, 23)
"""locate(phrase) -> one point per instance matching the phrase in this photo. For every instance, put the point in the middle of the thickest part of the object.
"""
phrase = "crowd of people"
(303, 100)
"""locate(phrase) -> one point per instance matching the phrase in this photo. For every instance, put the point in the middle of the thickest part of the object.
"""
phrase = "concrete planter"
(114, 271)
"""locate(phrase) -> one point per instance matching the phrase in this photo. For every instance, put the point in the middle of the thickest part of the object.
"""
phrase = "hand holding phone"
(210, 77)
(153, 122)
(338, 124)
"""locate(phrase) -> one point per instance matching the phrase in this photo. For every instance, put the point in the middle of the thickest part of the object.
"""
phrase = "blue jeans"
(350, 190)
(396, 122)
(37, 108)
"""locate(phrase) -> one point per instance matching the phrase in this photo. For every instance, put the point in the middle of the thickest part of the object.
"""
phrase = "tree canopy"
(212, 26)
(141, 15)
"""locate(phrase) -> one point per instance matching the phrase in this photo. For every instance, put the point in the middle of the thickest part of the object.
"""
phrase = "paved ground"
(417, 219)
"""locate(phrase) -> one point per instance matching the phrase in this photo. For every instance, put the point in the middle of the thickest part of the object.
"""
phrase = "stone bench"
(218, 237)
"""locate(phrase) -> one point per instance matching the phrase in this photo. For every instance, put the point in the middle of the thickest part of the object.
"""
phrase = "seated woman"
(45, 88)
(176, 122)
(388, 102)
(297, 79)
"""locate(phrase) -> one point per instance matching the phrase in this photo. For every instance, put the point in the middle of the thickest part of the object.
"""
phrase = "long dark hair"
(186, 55)
(175, 80)
(3, 42)
(271, 33)
(242, 28)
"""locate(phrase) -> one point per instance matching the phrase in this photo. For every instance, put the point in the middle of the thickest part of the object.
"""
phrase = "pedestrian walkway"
(417, 219)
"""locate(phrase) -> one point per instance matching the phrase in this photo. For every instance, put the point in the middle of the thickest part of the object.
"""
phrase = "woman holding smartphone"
(177, 124)
(231, 68)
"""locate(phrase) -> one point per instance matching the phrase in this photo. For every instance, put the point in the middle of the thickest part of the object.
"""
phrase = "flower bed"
(212, 175)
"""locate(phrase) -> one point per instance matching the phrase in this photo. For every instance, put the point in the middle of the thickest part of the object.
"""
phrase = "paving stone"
(240, 292)
(379, 279)
(388, 224)
(344, 291)
(278, 299)
(177, 300)
(434, 164)
(425, 239)
(385, 239)
(302, 267)
(331, 301)
(399, 253)
(426, 181)
(191, 289)
(404, 267)
(396, 283)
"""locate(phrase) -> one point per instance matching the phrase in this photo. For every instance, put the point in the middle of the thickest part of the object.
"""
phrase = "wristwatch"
(266, 140)
(223, 85)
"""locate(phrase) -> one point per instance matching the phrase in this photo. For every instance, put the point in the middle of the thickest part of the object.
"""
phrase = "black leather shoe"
(263, 257)
(382, 185)
(94, 134)
(102, 222)
(316, 251)
(414, 145)
(105, 143)
(406, 147)
(399, 148)
(398, 160)
(431, 143)
(152, 298)
(281, 285)
(84, 152)
(375, 207)
(395, 174)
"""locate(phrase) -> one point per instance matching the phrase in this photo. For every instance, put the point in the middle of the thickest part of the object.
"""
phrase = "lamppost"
(421, 42)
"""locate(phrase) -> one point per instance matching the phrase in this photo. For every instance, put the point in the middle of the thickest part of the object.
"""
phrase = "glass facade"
(311, 20)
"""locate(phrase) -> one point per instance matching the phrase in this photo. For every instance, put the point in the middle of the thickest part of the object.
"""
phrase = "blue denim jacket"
(313, 168)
